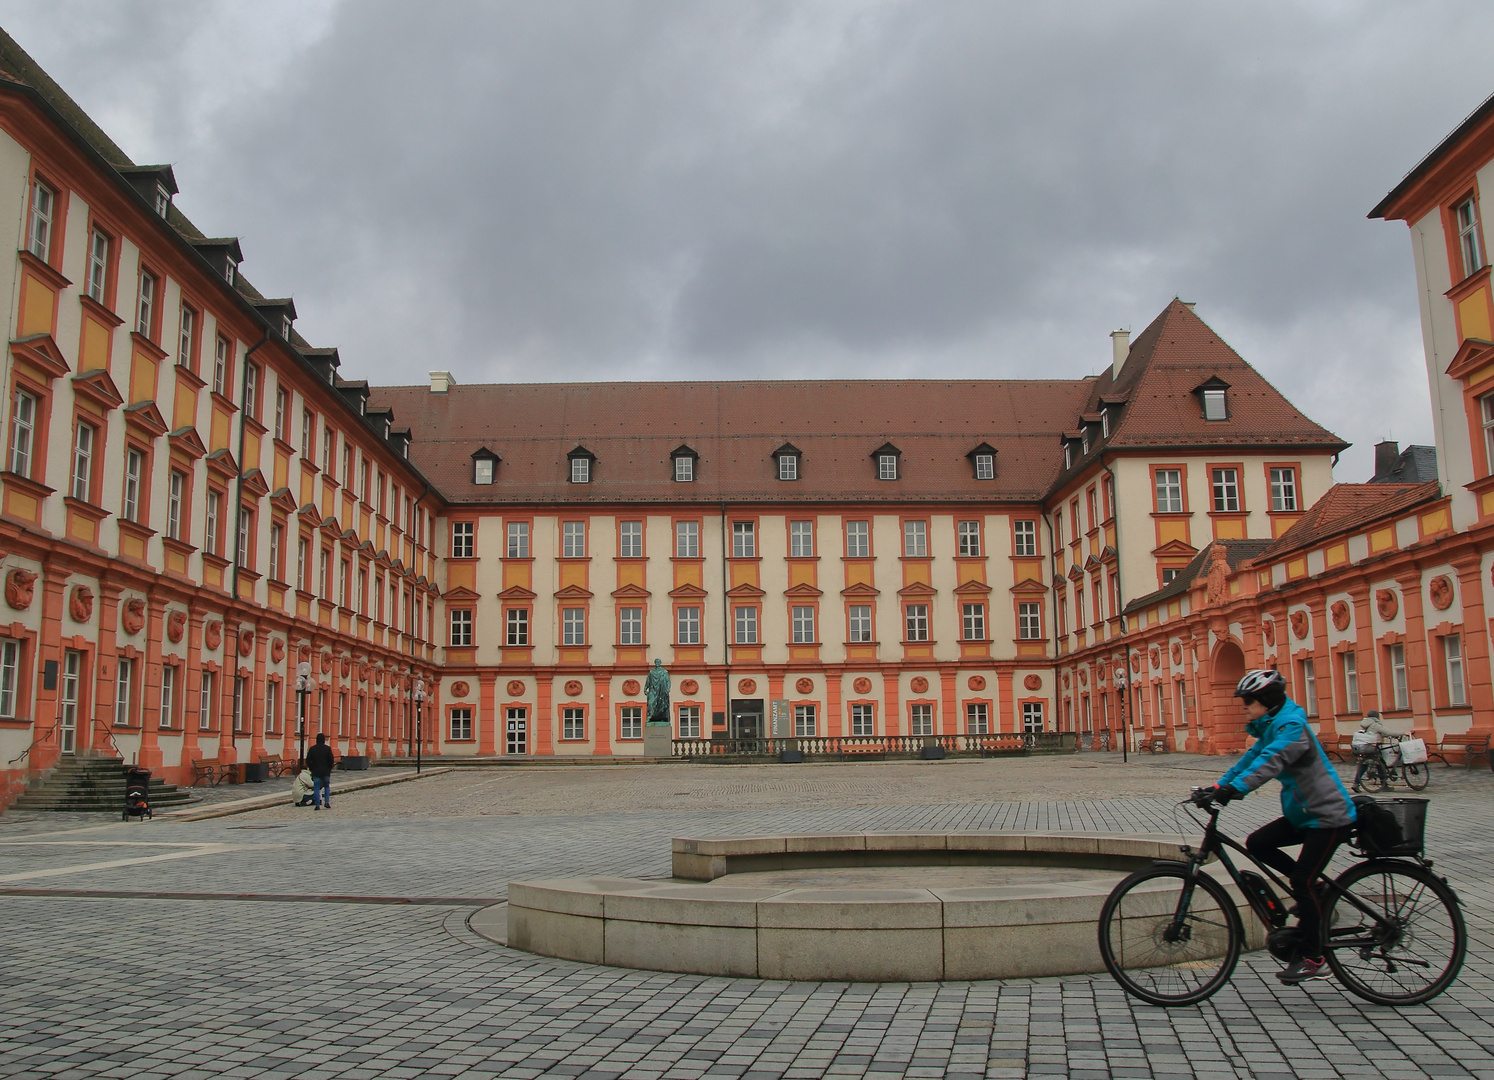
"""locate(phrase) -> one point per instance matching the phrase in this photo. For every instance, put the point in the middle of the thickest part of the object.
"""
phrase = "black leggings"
(1318, 846)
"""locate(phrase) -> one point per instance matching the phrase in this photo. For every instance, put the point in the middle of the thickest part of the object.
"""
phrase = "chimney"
(441, 381)
(1387, 459)
(1120, 348)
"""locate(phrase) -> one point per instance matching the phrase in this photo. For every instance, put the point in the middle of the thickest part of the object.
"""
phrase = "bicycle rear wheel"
(1377, 777)
(1411, 949)
(1417, 776)
(1170, 938)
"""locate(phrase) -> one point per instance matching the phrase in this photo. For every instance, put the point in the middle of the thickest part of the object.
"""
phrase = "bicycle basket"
(1388, 827)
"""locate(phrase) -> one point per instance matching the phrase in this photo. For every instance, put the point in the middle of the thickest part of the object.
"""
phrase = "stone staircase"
(92, 784)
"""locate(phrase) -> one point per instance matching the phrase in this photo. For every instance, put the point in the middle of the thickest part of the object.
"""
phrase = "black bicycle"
(1392, 930)
(1383, 767)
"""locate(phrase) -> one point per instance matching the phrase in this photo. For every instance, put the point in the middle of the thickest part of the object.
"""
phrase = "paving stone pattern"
(110, 986)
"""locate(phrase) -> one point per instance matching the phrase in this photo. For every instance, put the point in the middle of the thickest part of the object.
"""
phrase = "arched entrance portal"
(1228, 667)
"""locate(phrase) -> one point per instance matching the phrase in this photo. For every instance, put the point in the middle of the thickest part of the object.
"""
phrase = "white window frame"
(801, 539)
(788, 466)
(805, 722)
(985, 466)
(687, 625)
(580, 470)
(630, 722)
(461, 628)
(630, 626)
(689, 721)
(211, 518)
(460, 724)
(744, 539)
(687, 539)
(859, 618)
(516, 628)
(886, 466)
(1309, 687)
(573, 539)
(145, 303)
(973, 622)
(1349, 667)
(1033, 719)
(10, 676)
(133, 470)
(744, 625)
(220, 381)
(920, 718)
(1029, 620)
(482, 471)
(463, 539)
(684, 469)
(573, 626)
(803, 620)
(1169, 491)
(916, 622)
(916, 538)
(39, 229)
(84, 437)
(168, 697)
(98, 265)
(518, 540)
(573, 723)
(630, 540)
(1225, 484)
(1399, 684)
(24, 405)
(1470, 243)
(858, 539)
(1457, 684)
(977, 718)
(1024, 538)
(1284, 489)
(969, 533)
(863, 719)
(1215, 406)
(124, 685)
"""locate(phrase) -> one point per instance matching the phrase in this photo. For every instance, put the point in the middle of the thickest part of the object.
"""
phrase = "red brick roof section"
(1168, 361)
(1348, 507)
(735, 427)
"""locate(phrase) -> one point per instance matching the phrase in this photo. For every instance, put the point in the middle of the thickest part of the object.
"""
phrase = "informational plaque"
(783, 720)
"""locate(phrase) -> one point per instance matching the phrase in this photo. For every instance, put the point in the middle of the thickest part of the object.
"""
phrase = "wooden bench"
(1470, 747)
(205, 769)
(1344, 750)
(278, 765)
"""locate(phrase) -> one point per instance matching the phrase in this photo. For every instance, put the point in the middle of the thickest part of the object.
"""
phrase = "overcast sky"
(547, 190)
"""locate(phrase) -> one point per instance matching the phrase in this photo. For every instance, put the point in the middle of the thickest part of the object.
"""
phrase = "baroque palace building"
(194, 499)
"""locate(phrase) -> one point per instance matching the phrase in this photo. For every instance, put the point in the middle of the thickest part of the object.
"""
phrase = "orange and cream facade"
(1378, 596)
(194, 500)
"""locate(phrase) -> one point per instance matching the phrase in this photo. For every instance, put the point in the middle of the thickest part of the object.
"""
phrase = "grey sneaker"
(1300, 971)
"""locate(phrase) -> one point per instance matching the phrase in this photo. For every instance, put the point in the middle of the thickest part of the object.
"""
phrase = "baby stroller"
(137, 793)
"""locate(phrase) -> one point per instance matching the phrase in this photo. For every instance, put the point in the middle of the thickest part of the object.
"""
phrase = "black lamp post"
(419, 695)
(303, 691)
(1120, 685)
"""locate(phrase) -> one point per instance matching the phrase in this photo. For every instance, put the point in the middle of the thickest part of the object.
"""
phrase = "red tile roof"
(735, 427)
(1347, 507)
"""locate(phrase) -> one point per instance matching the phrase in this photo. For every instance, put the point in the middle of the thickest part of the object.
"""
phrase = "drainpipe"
(726, 621)
(1053, 622)
(1120, 604)
(238, 494)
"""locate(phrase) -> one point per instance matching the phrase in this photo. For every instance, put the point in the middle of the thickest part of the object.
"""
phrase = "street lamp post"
(419, 696)
(1120, 685)
(303, 691)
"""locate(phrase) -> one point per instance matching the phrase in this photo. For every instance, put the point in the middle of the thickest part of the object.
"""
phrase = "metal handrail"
(870, 745)
(50, 731)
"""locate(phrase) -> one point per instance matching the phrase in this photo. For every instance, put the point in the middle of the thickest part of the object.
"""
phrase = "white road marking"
(110, 864)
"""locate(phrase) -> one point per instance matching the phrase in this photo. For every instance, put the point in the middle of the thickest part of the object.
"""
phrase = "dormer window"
(684, 464)
(285, 327)
(581, 459)
(228, 269)
(1213, 396)
(887, 457)
(1068, 455)
(1104, 423)
(787, 459)
(1084, 441)
(163, 200)
(484, 466)
(983, 460)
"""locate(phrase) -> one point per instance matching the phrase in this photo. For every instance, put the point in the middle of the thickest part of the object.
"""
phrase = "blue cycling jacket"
(1312, 795)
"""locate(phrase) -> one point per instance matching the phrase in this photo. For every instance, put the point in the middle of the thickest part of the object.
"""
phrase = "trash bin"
(256, 772)
(137, 793)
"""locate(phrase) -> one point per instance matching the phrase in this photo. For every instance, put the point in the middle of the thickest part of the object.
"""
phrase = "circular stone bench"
(709, 926)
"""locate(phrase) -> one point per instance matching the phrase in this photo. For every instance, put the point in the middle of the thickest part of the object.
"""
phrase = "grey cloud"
(569, 191)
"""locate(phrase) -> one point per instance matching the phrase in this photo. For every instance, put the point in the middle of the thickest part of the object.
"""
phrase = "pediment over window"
(254, 484)
(688, 592)
(516, 593)
(573, 592)
(97, 387)
(973, 588)
(743, 592)
(310, 513)
(42, 353)
(282, 499)
(461, 592)
(145, 417)
(803, 589)
(1029, 587)
(222, 463)
(861, 589)
(918, 588)
(631, 592)
(1471, 355)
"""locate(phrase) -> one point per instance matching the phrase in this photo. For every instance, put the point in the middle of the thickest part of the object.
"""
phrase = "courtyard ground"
(334, 944)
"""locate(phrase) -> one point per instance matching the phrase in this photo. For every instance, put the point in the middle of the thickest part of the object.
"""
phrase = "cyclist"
(1371, 723)
(1317, 812)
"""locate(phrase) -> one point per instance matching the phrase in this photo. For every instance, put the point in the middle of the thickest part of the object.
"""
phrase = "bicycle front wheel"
(1168, 937)
(1417, 776)
(1401, 939)
(1377, 778)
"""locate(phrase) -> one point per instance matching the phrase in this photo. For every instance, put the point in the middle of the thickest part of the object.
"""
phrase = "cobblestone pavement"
(97, 980)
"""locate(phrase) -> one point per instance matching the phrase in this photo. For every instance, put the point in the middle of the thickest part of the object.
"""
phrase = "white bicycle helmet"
(1261, 683)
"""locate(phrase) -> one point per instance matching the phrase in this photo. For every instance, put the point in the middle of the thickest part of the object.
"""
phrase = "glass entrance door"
(518, 732)
(747, 719)
(67, 719)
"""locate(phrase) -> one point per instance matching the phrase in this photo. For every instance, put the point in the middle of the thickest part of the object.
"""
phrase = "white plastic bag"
(1364, 742)
(1413, 751)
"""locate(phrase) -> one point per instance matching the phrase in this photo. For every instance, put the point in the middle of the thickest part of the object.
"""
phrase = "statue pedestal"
(658, 740)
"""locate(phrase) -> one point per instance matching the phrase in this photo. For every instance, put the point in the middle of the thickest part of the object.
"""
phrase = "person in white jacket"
(1371, 724)
(301, 789)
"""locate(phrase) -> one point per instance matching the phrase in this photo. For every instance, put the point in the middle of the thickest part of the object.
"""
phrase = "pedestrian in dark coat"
(319, 761)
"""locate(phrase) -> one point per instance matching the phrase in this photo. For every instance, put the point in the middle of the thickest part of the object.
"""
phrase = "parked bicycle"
(1383, 767)
(1392, 929)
